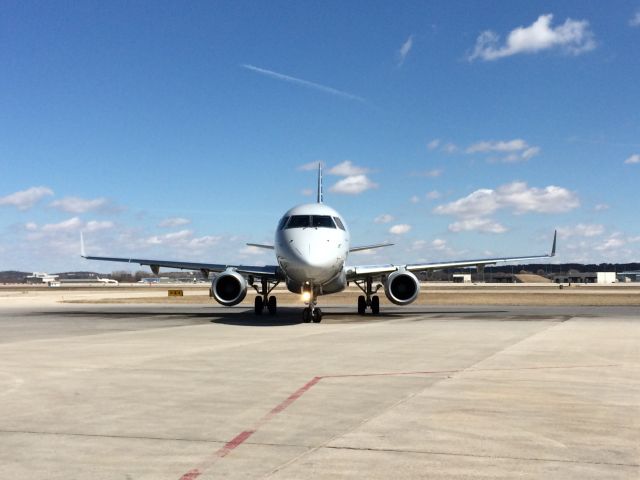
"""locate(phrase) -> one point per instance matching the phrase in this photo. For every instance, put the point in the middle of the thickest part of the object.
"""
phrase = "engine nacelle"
(402, 287)
(229, 288)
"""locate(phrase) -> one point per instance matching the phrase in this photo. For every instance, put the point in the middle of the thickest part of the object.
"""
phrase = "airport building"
(585, 277)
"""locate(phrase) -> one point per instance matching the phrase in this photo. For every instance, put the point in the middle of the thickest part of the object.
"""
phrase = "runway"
(184, 391)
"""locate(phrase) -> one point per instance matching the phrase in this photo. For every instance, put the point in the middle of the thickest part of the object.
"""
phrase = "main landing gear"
(264, 300)
(368, 299)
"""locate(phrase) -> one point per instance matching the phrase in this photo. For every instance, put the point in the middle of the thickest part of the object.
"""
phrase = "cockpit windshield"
(324, 221)
(298, 221)
(316, 221)
(283, 222)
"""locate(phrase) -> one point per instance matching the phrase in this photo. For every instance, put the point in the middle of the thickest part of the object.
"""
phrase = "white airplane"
(311, 246)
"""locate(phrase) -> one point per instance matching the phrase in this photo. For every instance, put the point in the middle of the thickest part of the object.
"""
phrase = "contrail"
(304, 83)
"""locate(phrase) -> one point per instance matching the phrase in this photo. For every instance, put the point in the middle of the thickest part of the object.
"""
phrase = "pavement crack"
(477, 455)
(100, 435)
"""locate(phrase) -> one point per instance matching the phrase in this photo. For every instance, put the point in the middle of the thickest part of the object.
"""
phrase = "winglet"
(319, 182)
(553, 248)
(82, 252)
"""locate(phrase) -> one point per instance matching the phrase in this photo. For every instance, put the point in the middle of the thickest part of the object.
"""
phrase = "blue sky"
(183, 130)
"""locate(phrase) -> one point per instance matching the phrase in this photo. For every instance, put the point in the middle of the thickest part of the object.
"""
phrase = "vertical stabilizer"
(320, 182)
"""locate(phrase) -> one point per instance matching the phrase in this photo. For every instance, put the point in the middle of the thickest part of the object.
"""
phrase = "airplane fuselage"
(311, 246)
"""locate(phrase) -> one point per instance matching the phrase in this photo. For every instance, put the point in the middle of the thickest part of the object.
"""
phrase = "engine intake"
(229, 288)
(402, 287)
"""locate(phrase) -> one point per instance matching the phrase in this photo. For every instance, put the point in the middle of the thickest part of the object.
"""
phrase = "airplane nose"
(320, 255)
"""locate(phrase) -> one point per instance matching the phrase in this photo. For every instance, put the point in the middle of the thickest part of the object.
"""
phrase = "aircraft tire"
(272, 305)
(362, 305)
(375, 305)
(317, 315)
(258, 305)
(306, 315)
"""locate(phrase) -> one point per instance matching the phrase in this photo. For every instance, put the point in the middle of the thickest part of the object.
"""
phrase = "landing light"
(306, 296)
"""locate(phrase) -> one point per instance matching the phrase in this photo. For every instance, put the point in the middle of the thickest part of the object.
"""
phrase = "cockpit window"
(298, 221)
(323, 221)
(304, 221)
(282, 223)
(339, 223)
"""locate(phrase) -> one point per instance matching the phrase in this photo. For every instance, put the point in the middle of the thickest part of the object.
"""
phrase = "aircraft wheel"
(317, 315)
(258, 305)
(375, 305)
(306, 315)
(272, 305)
(362, 305)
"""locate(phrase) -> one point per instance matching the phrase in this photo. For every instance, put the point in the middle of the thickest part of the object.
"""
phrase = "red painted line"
(191, 474)
(234, 443)
(243, 436)
(293, 397)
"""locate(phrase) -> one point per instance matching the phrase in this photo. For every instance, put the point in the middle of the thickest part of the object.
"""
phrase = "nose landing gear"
(311, 313)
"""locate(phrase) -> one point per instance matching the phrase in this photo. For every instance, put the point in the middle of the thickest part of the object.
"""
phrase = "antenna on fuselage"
(319, 182)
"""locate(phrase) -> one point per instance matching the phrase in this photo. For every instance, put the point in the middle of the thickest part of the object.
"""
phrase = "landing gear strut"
(368, 299)
(264, 300)
(311, 313)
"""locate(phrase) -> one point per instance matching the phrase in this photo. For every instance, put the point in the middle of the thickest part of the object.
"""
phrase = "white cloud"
(400, 229)
(501, 146)
(95, 225)
(439, 244)
(414, 199)
(384, 218)
(346, 169)
(250, 251)
(601, 207)
(183, 239)
(450, 148)
(479, 203)
(61, 231)
(304, 83)
(307, 192)
(433, 195)
(572, 37)
(614, 241)
(581, 230)
(433, 144)
(484, 225)
(516, 150)
(353, 185)
(635, 158)
(404, 50)
(635, 20)
(173, 222)
(25, 199)
(70, 225)
(79, 205)
(434, 173)
(309, 166)
(516, 197)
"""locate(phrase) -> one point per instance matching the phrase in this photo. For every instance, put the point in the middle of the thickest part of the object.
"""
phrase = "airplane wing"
(269, 271)
(364, 271)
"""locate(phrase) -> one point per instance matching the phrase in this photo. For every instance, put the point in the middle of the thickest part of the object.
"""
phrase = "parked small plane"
(312, 243)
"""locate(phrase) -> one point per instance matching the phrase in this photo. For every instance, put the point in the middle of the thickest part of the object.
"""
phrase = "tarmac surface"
(199, 391)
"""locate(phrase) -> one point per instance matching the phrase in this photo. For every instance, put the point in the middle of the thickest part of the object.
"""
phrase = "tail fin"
(320, 182)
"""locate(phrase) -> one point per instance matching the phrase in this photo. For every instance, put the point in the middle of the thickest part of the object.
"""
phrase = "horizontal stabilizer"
(369, 247)
(260, 245)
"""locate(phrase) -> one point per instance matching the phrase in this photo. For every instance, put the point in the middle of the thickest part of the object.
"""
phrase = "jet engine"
(402, 287)
(229, 288)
